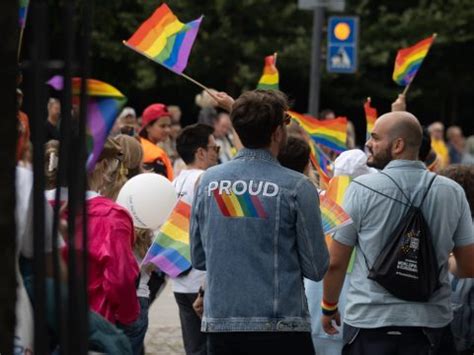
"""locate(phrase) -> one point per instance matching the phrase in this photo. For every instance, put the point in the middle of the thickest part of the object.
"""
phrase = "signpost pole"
(315, 76)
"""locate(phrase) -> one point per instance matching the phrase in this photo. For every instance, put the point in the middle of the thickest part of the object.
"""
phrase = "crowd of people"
(264, 277)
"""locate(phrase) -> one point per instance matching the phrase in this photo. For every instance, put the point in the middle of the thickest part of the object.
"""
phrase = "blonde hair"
(129, 166)
(107, 176)
(132, 152)
(143, 239)
(205, 100)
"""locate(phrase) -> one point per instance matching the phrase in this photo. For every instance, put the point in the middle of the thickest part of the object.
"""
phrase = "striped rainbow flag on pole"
(23, 12)
(409, 60)
(270, 77)
(332, 215)
(165, 40)
(170, 250)
(337, 188)
(104, 104)
(336, 191)
(330, 133)
(370, 116)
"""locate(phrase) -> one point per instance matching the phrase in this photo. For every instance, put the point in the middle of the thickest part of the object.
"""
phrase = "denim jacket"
(256, 229)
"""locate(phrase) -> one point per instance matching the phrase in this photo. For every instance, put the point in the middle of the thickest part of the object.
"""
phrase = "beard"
(381, 159)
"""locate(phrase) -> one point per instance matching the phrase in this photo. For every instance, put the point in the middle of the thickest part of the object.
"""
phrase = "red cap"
(154, 112)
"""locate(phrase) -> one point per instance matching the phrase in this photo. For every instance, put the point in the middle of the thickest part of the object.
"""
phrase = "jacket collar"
(413, 164)
(261, 154)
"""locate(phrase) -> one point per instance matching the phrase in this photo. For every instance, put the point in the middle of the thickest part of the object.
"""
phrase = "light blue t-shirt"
(448, 216)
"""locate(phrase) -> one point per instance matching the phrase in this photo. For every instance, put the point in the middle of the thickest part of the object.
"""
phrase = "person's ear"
(398, 146)
(200, 155)
(277, 135)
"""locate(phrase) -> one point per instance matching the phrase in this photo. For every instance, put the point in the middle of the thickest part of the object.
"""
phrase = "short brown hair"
(464, 176)
(295, 155)
(257, 114)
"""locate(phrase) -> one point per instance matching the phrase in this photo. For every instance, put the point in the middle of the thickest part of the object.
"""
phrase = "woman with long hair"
(113, 270)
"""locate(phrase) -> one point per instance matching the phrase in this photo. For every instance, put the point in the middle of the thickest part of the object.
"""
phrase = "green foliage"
(235, 36)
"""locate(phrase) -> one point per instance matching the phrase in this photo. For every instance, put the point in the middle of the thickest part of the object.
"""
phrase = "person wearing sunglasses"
(256, 230)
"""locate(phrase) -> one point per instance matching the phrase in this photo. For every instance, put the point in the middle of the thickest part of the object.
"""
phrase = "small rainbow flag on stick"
(23, 12)
(370, 116)
(270, 78)
(337, 188)
(330, 133)
(332, 215)
(165, 40)
(104, 104)
(336, 191)
(170, 250)
(409, 60)
(320, 163)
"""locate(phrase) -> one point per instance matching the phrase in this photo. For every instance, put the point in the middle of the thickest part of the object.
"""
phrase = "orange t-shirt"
(152, 153)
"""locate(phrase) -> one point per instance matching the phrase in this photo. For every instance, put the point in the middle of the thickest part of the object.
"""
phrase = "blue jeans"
(324, 344)
(137, 330)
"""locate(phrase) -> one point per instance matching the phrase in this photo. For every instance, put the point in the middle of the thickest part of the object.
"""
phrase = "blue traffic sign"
(343, 33)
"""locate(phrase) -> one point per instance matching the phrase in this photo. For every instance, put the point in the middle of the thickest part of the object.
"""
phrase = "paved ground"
(164, 331)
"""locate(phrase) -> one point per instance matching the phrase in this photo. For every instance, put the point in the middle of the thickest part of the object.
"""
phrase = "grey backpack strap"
(427, 190)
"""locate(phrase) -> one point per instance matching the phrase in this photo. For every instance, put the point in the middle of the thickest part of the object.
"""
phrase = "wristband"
(329, 313)
(328, 308)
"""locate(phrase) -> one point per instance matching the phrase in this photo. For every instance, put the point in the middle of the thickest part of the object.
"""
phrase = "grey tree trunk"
(8, 139)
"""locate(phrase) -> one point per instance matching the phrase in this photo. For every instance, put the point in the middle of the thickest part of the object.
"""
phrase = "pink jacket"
(113, 269)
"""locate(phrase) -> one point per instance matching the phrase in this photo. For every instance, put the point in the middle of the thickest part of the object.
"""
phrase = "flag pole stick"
(202, 86)
(20, 43)
(408, 86)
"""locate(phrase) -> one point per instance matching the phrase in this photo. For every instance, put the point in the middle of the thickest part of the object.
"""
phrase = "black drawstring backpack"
(407, 266)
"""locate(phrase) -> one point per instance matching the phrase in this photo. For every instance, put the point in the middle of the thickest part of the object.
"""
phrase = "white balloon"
(149, 198)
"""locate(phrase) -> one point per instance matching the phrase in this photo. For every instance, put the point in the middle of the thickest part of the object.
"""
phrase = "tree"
(236, 36)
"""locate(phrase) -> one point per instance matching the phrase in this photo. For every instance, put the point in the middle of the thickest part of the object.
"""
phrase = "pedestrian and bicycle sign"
(343, 33)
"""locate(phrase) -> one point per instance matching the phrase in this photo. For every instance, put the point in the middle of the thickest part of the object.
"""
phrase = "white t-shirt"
(185, 184)
(24, 335)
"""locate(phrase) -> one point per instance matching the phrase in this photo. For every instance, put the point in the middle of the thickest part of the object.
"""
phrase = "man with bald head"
(375, 321)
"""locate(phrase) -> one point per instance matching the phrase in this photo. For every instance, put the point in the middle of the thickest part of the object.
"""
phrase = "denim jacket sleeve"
(198, 257)
(311, 245)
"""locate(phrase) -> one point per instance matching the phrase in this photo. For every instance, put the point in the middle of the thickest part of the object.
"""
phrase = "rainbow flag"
(370, 116)
(244, 205)
(330, 133)
(336, 191)
(409, 60)
(337, 188)
(332, 215)
(270, 77)
(104, 105)
(170, 250)
(165, 40)
(320, 163)
(23, 12)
